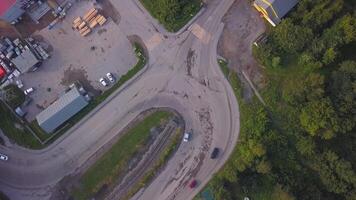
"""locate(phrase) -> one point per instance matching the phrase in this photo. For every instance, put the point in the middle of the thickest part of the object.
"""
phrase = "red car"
(193, 183)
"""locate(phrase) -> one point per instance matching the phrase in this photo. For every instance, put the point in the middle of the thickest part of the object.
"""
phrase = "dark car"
(215, 153)
(193, 183)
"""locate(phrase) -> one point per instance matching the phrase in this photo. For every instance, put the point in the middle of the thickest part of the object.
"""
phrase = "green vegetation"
(115, 162)
(14, 97)
(95, 102)
(15, 130)
(172, 14)
(164, 157)
(224, 68)
(301, 145)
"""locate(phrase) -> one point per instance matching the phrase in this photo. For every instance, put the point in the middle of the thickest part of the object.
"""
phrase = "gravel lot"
(238, 35)
(73, 57)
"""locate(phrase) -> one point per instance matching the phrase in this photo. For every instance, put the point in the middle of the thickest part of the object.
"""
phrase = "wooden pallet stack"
(89, 21)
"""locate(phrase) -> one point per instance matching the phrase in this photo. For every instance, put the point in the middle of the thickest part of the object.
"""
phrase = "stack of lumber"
(88, 22)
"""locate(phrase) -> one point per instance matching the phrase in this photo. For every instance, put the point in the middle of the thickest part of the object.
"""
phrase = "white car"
(3, 157)
(103, 82)
(110, 77)
(29, 91)
(187, 136)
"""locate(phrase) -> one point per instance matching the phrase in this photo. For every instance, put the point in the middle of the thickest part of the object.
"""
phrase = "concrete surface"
(72, 58)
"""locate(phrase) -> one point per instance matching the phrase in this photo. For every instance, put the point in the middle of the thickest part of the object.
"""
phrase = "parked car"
(29, 90)
(187, 136)
(110, 77)
(3, 157)
(103, 82)
(214, 153)
(193, 184)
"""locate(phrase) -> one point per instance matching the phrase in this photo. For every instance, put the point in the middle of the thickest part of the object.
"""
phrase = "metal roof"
(279, 8)
(25, 61)
(61, 110)
(10, 10)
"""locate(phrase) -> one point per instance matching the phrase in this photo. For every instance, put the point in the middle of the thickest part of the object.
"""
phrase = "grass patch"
(95, 102)
(164, 157)
(224, 67)
(14, 96)
(15, 130)
(114, 162)
(172, 14)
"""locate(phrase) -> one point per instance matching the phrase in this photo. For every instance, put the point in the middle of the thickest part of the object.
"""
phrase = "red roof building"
(2, 72)
(10, 10)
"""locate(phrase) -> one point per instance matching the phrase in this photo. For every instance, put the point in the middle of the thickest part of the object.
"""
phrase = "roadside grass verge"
(247, 111)
(224, 68)
(49, 138)
(15, 130)
(173, 15)
(163, 159)
(115, 162)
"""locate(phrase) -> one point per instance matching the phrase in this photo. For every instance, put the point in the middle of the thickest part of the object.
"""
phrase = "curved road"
(182, 74)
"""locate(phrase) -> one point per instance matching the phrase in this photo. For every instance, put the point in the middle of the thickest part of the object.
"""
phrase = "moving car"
(187, 136)
(110, 77)
(3, 157)
(193, 183)
(103, 82)
(29, 90)
(214, 153)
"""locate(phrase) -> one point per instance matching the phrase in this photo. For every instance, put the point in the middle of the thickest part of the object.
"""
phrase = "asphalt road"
(182, 74)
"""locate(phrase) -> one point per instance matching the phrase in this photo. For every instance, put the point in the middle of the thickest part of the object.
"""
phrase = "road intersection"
(182, 74)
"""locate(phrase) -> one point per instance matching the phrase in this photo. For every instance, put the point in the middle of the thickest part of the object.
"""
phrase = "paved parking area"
(73, 57)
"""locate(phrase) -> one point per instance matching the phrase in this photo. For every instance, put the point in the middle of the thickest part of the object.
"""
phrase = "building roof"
(5, 5)
(26, 61)
(277, 9)
(61, 110)
(10, 10)
(2, 72)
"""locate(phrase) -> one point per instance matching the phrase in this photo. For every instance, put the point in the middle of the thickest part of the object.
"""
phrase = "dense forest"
(302, 144)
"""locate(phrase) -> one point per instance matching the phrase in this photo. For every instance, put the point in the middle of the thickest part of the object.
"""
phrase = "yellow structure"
(274, 10)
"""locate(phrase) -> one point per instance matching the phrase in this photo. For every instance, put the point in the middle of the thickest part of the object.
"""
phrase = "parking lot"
(73, 57)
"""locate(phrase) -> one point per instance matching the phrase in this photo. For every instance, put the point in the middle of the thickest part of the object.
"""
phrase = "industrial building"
(274, 10)
(26, 61)
(61, 110)
(11, 10)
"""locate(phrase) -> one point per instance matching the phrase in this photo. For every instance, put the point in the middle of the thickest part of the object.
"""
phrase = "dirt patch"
(242, 26)
(72, 75)
(101, 31)
(27, 27)
(7, 30)
(109, 10)
(190, 61)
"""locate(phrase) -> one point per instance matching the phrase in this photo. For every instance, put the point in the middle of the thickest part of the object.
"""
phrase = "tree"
(290, 37)
(336, 174)
(329, 56)
(319, 118)
(280, 194)
(343, 93)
